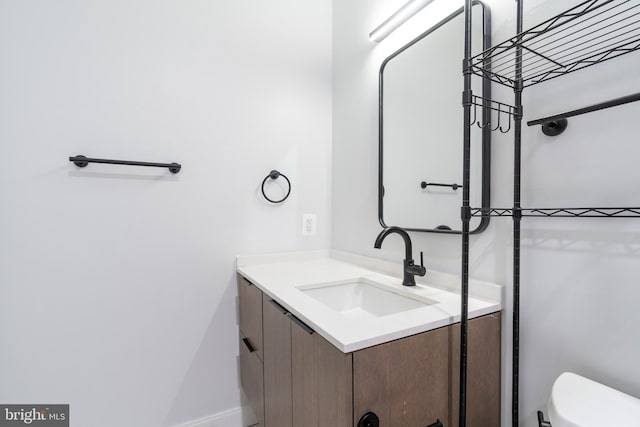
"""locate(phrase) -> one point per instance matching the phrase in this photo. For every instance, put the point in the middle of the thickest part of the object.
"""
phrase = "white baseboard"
(236, 417)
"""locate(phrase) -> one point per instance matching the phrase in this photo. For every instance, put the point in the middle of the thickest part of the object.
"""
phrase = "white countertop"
(281, 275)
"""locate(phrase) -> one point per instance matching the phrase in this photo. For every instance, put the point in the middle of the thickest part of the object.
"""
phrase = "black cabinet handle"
(248, 344)
(286, 312)
(279, 307)
(300, 323)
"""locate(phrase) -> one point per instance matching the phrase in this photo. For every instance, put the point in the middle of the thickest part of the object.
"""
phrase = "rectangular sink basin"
(363, 297)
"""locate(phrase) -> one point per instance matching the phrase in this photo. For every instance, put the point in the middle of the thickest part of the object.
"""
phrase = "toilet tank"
(580, 402)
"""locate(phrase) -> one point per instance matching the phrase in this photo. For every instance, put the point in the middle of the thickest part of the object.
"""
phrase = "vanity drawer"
(250, 307)
(252, 379)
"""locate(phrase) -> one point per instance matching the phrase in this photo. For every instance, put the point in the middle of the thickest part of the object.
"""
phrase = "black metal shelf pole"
(467, 101)
(517, 216)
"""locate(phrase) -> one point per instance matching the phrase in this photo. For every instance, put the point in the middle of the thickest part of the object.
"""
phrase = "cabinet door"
(304, 369)
(251, 379)
(404, 382)
(483, 371)
(335, 385)
(250, 308)
(322, 380)
(277, 365)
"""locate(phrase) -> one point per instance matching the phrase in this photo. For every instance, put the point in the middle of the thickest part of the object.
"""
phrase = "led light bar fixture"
(400, 17)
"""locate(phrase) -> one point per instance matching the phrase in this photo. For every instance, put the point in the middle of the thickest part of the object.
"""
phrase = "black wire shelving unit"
(588, 34)
(595, 31)
(561, 212)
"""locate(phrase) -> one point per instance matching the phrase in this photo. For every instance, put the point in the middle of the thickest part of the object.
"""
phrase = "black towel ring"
(274, 174)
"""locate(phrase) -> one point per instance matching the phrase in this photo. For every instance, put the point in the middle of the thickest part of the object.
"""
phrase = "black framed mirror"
(420, 130)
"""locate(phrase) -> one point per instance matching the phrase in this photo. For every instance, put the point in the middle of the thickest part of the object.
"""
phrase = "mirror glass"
(421, 130)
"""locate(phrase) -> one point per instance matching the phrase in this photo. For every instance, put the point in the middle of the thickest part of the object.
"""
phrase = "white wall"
(117, 285)
(578, 276)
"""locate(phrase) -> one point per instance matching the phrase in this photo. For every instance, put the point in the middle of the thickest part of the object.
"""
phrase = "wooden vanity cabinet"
(251, 354)
(410, 382)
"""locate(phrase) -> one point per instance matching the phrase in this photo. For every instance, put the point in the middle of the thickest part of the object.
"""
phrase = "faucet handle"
(421, 271)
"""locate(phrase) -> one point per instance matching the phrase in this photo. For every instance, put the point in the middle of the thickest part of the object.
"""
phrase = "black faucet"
(410, 269)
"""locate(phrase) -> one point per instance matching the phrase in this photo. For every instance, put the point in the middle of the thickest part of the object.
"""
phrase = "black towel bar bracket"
(82, 161)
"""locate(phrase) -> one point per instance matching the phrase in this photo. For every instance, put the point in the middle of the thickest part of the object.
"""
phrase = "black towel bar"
(555, 125)
(425, 184)
(82, 161)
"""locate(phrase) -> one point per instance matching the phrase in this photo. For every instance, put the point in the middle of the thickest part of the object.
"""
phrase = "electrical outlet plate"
(309, 224)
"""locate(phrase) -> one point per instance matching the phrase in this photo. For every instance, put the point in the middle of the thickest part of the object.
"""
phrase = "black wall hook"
(274, 174)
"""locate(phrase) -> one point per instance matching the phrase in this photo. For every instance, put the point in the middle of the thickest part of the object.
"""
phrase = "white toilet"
(579, 402)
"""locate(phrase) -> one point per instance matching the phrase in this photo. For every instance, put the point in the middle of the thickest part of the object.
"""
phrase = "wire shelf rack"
(560, 212)
(592, 32)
